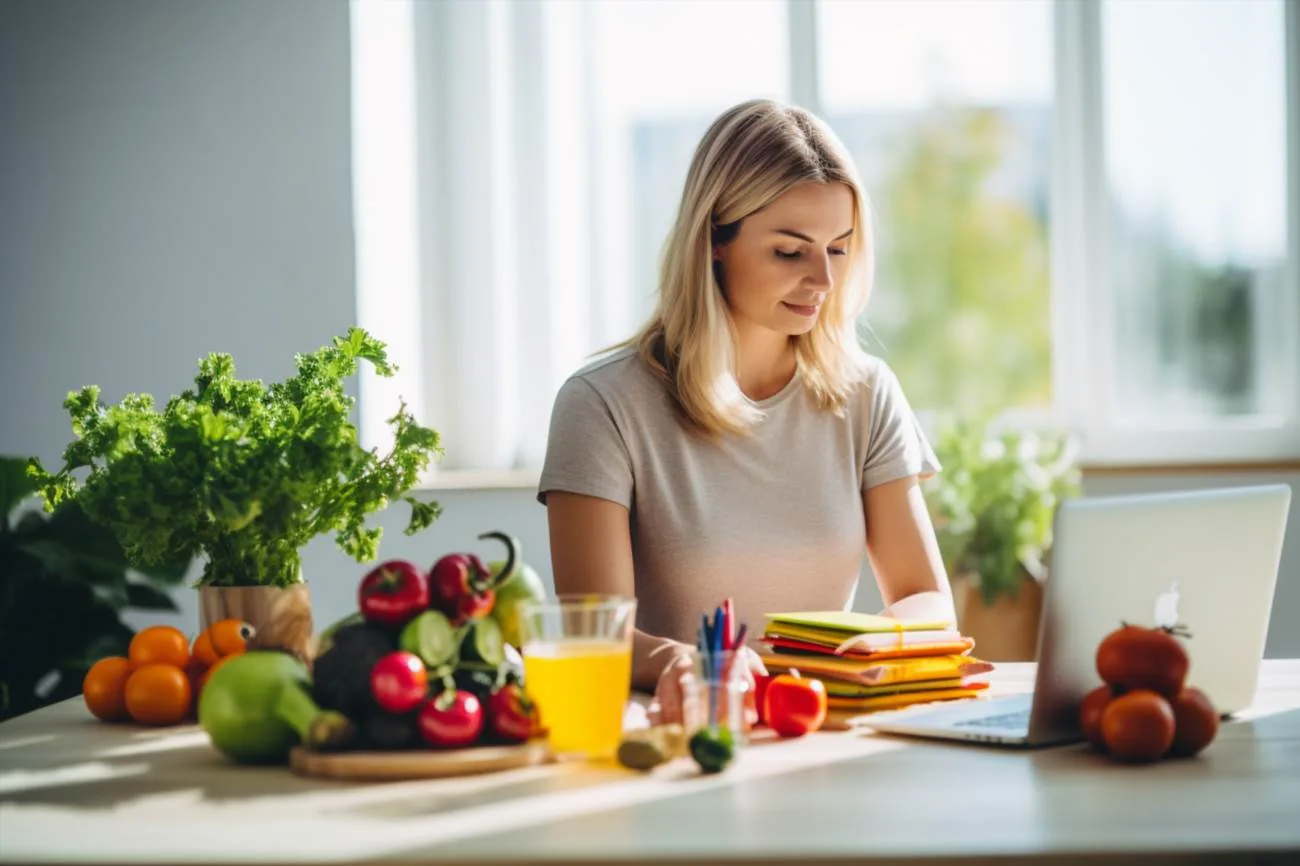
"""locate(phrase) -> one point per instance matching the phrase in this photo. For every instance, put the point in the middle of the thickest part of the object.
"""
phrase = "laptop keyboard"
(1015, 721)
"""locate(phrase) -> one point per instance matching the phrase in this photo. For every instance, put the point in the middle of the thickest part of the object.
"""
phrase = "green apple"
(524, 584)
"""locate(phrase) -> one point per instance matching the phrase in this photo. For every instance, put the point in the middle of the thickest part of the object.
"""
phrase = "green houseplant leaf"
(241, 474)
(64, 583)
(994, 503)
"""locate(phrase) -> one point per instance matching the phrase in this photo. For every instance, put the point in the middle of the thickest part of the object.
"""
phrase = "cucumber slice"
(432, 637)
(484, 642)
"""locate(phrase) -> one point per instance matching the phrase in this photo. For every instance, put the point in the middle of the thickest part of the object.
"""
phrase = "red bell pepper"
(794, 705)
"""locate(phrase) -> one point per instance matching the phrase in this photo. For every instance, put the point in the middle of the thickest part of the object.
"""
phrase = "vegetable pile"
(424, 662)
(1146, 711)
(241, 473)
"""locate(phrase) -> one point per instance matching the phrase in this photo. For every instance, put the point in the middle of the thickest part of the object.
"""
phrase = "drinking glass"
(578, 669)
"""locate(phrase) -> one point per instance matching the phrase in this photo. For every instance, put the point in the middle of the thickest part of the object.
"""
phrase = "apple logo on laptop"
(1166, 614)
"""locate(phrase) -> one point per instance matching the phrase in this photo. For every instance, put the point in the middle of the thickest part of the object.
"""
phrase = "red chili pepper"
(463, 588)
(794, 705)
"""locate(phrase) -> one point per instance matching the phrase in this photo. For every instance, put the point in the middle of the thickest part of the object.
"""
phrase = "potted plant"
(64, 584)
(243, 475)
(993, 507)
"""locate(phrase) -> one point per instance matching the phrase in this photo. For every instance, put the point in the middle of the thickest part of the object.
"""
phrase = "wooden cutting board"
(417, 763)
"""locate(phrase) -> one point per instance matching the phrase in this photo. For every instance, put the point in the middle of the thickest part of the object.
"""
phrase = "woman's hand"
(676, 697)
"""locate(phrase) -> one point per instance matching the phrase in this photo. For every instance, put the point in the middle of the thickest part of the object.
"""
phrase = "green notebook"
(850, 622)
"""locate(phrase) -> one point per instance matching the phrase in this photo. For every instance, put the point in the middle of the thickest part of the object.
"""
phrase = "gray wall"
(174, 180)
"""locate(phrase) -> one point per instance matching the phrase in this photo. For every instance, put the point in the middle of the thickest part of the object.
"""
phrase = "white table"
(76, 790)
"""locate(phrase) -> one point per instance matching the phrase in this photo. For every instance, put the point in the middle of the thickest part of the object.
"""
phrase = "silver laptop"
(1207, 559)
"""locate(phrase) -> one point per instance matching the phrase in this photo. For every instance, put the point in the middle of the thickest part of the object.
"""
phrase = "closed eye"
(782, 254)
(839, 252)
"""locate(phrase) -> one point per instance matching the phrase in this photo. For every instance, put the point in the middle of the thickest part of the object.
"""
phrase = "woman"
(742, 445)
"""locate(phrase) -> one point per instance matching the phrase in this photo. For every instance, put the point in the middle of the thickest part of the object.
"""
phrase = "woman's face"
(788, 257)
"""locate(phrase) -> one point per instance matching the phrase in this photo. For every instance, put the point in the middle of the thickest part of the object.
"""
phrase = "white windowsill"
(481, 479)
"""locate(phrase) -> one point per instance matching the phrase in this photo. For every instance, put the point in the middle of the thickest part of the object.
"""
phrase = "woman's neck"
(765, 362)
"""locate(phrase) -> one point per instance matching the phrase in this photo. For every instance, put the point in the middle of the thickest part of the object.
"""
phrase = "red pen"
(729, 624)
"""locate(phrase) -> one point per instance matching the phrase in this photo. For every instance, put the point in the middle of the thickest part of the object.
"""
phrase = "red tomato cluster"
(1145, 711)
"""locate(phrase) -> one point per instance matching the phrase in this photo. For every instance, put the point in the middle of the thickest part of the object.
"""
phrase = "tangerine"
(158, 694)
(160, 644)
(230, 636)
(203, 650)
(104, 688)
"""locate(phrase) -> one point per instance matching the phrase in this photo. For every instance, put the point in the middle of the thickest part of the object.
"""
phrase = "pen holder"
(719, 693)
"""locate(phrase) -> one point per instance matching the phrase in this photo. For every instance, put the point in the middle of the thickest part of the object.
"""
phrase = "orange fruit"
(230, 636)
(104, 688)
(158, 694)
(160, 644)
(203, 651)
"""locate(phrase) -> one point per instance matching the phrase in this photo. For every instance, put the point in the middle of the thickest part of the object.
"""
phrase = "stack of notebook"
(871, 663)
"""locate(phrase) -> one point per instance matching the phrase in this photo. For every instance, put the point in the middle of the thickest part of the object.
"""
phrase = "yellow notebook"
(848, 622)
(878, 672)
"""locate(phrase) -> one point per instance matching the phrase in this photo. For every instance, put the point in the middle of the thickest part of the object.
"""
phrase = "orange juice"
(580, 686)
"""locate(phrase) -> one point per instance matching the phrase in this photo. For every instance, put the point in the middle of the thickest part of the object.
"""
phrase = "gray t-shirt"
(773, 521)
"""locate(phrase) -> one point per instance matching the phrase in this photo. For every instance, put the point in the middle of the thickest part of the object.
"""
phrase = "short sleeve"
(896, 445)
(585, 452)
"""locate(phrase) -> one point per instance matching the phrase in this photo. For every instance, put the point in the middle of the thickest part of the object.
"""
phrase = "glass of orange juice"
(578, 669)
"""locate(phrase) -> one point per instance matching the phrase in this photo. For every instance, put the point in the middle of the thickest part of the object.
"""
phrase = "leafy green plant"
(64, 583)
(994, 502)
(241, 473)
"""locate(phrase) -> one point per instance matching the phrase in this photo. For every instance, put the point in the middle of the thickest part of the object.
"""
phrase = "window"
(947, 109)
(1085, 211)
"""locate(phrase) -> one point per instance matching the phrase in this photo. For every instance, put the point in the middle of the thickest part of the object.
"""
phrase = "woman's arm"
(591, 552)
(904, 553)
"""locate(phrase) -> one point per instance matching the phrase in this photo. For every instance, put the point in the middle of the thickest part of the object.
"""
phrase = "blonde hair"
(752, 154)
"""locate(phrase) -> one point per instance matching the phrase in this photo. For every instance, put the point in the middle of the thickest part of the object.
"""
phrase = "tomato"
(399, 682)
(512, 716)
(1196, 723)
(451, 720)
(1138, 726)
(794, 705)
(1090, 712)
(1135, 657)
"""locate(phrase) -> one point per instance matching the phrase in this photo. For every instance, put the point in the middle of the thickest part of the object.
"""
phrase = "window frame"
(467, 57)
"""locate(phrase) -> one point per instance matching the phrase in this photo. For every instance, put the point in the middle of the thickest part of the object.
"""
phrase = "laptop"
(1207, 559)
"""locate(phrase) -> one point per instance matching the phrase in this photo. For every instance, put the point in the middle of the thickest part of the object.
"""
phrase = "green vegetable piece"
(521, 586)
(256, 707)
(713, 748)
(483, 641)
(431, 637)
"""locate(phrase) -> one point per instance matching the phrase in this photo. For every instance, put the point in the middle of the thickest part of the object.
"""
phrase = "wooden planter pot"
(1005, 631)
(280, 616)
